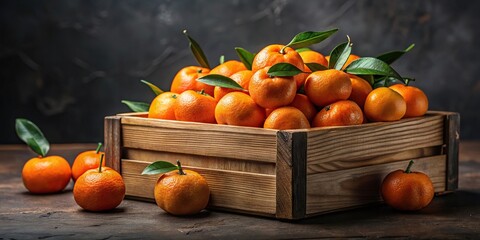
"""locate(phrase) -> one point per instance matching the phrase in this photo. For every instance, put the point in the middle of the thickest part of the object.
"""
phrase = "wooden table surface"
(56, 216)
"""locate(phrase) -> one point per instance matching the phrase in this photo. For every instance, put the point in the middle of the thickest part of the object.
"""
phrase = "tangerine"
(50, 174)
(85, 161)
(182, 192)
(328, 86)
(241, 77)
(302, 103)
(271, 92)
(186, 79)
(99, 189)
(311, 56)
(237, 108)
(341, 113)
(284, 118)
(360, 90)
(162, 106)
(228, 68)
(415, 98)
(195, 107)
(406, 190)
(384, 104)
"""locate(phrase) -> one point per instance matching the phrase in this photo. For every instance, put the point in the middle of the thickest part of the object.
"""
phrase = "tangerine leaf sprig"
(160, 167)
(152, 86)
(221, 59)
(316, 67)
(137, 106)
(220, 81)
(197, 51)
(372, 66)
(245, 56)
(339, 55)
(390, 57)
(283, 70)
(98, 147)
(28, 132)
(305, 39)
(100, 164)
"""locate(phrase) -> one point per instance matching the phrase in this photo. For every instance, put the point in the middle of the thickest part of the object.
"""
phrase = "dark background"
(67, 64)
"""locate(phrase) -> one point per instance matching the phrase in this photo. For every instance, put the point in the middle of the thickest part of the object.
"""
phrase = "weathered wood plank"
(250, 192)
(221, 163)
(200, 139)
(336, 148)
(332, 191)
(113, 142)
(452, 139)
(367, 161)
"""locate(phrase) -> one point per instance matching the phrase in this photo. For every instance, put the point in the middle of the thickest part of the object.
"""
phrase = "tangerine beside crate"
(290, 174)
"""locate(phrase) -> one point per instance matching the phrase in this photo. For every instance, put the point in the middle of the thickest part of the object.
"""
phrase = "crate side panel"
(341, 189)
(350, 147)
(220, 163)
(203, 142)
(229, 189)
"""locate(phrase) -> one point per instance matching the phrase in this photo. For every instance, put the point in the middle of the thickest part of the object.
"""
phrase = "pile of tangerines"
(291, 87)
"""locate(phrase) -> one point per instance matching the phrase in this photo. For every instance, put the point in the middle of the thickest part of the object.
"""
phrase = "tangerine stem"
(180, 169)
(282, 51)
(100, 165)
(409, 166)
(98, 147)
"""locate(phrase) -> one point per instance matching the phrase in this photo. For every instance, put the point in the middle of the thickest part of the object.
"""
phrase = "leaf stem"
(282, 51)
(180, 169)
(409, 166)
(101, 162)
(98, 147)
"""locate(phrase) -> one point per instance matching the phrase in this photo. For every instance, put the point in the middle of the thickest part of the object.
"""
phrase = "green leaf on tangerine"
(245, 56)
(283, 70)
(305, 39)
(303, 49)
(391, 57)
(152, 86)
(159, 167)
(197, 51)
(221, 60)
(339, 55)
(32, 136)
(137, 106)
(315, 67)
(220, 81)
(372, 66)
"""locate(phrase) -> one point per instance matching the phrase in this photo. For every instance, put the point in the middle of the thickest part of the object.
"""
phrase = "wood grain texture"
(221, 163)
(336, 190)
(113, 141)
(452, 140)
(337, 148)
(251, 192)
(199, 139)
(284, 176)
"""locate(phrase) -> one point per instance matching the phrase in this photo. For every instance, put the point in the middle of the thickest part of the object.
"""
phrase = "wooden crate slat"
(113, 142)
(221, 163)
(369, 141)
(256, 147)
(229, 189)
(359, 186)
(360, 161)
(452, 140)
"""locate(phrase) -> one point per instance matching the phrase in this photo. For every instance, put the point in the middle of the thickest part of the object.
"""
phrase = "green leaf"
(391, 57)
(305, 39)
(197, 51)
(283, 70)
(221, 60)
(372, 66)
(303, 49)
(137, 106)
(245, 56)
(32, 136)
(159, 167)
(316, 67)
(369, 78)
(220, 81)
(154, 88)
(339, 55)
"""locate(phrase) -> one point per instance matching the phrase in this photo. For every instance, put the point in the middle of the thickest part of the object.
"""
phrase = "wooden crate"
(285, 174)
